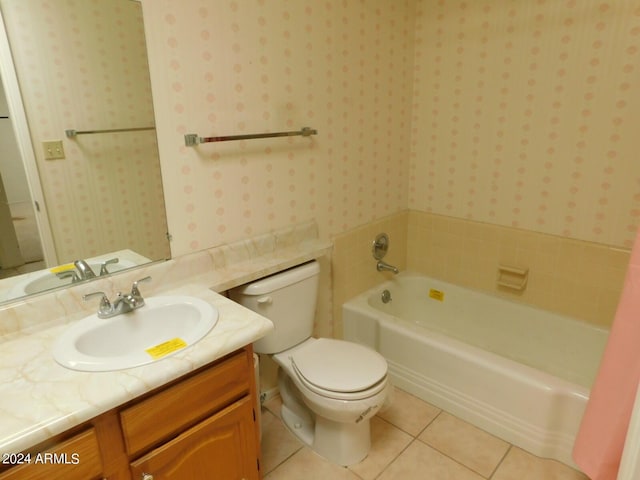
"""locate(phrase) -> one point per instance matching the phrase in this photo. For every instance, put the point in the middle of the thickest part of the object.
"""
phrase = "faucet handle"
(103, 266)
(134, 288)
(105, 305)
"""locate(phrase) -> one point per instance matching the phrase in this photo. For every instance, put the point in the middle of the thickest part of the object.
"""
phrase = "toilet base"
(339, 442)
(302, 429)
(342, 443)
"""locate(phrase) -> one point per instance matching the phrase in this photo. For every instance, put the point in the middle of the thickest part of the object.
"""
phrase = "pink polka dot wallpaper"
(240, 67)
(526, 114)
(521, 114)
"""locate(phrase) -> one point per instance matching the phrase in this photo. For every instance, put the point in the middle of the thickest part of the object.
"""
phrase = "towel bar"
(193, 139)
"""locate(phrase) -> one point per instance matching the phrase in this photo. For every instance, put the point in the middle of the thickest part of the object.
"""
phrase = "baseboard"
(268, 394)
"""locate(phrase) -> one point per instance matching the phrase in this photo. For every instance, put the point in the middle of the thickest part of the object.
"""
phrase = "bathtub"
(520, 373)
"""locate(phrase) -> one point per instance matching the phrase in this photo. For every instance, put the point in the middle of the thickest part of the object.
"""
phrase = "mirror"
(95, 195)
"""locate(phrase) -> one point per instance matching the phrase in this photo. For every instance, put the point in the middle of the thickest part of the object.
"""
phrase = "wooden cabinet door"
(221, 447)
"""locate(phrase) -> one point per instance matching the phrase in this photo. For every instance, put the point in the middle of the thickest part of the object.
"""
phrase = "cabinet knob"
(146, 476)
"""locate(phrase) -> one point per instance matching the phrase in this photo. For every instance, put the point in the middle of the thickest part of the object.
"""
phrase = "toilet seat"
(339, 369)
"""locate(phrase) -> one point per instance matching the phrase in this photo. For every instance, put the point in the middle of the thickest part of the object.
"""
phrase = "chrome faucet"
(84, 270)
(384, 266)
(380, 248)
(121, 304)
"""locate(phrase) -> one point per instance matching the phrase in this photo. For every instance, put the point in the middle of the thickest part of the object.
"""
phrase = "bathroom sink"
(163, 326)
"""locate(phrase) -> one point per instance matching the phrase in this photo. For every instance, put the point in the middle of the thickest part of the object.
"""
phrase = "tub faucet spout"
(383, 266)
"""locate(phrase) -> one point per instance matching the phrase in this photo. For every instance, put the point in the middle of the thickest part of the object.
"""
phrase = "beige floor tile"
(409, 413)
(520, 465)
(419, 462)
(278, 443)
(273, 405)
(307, 465)
(474, 448)
(387, 442)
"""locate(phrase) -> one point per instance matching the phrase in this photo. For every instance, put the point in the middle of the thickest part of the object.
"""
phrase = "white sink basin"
(163, 327)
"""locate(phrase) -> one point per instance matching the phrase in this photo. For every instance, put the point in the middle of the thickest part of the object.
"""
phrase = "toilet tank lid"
(279, 280)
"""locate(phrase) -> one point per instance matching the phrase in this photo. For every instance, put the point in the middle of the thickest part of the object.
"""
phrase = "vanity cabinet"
(77, 458)
(202, 425)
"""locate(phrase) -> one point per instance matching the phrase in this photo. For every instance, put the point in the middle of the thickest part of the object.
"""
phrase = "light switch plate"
(53, 150)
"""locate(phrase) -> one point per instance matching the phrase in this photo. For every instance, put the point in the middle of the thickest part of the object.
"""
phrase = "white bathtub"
(518, 372)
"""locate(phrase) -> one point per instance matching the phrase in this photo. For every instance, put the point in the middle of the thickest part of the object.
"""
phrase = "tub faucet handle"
(380, 246)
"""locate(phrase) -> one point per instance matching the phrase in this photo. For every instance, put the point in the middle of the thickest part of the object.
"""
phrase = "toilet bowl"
(330, 388)
(328, 408)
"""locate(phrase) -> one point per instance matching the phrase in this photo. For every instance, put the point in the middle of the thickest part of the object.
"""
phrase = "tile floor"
(410, 440)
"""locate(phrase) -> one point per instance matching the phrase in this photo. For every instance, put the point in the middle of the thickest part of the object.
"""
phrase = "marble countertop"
(39, 398)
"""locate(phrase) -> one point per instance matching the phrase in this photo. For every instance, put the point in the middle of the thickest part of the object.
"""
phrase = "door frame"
(25, 146)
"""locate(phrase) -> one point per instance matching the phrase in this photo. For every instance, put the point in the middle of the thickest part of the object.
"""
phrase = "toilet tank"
(288, 299)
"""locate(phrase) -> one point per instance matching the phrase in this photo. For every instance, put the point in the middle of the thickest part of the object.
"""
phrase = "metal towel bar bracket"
(193, 139)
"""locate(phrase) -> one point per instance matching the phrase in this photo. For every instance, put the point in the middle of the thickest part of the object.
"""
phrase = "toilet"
(330, 388)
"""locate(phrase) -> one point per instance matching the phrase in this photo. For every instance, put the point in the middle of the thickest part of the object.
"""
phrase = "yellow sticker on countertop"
(436, 294)
(166, 348)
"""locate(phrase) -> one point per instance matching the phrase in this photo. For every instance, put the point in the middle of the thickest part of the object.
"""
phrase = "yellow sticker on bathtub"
(166, 348)
(436, 294)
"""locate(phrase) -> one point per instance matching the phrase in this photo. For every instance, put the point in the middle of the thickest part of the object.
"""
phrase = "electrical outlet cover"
(53, 150)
